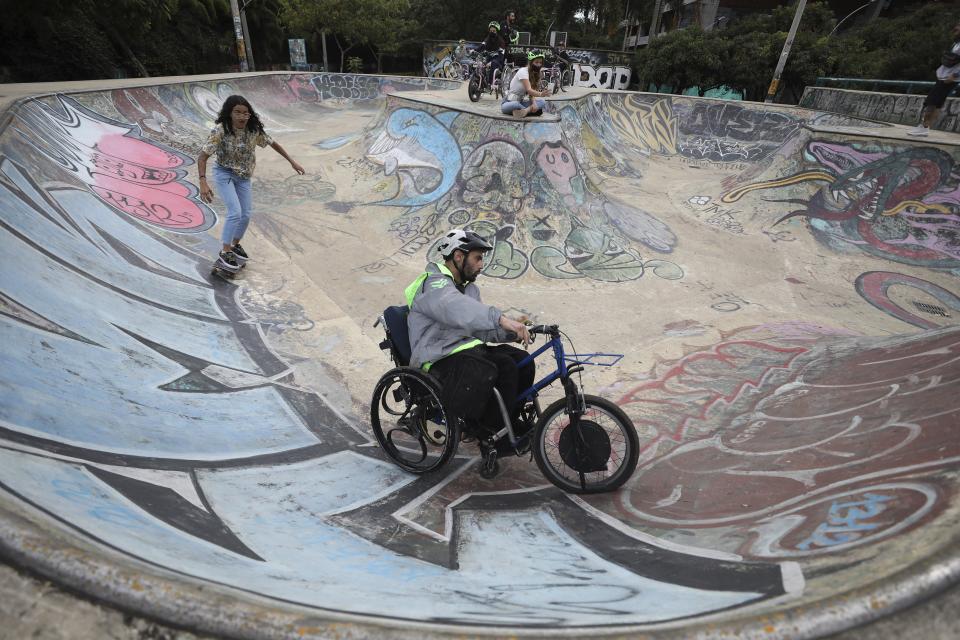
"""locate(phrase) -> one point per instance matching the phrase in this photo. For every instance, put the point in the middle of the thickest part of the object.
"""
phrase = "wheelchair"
(581, 443)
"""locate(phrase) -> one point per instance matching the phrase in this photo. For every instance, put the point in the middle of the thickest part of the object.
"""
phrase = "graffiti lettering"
(601, 77)
(133, 175)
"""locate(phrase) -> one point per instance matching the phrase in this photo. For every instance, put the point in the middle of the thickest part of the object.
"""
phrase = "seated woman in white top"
(522, 99)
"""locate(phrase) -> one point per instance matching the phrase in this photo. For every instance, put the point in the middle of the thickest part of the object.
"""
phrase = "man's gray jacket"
(443, 320)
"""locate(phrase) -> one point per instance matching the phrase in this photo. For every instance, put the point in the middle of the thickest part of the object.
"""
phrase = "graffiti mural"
(420, 151)
(723, 131)
(793, 442)
(601, 77)
(898, 203)
(129, 174)
(874, 285)
(718, 132)
(522, 188)
(591, 69)
(144, 408)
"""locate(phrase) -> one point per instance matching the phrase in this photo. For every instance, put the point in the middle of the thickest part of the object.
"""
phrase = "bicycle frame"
(562, 372)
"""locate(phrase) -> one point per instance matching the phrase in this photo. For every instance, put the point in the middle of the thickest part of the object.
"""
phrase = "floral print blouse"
(236, 152)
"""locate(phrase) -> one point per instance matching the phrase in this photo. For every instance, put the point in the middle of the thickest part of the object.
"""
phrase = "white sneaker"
(919, 131)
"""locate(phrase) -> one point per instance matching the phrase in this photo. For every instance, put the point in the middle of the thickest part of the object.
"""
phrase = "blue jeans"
(236, 195)
(510, 107)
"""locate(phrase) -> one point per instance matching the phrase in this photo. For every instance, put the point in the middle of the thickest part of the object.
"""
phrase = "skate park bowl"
(782, 284)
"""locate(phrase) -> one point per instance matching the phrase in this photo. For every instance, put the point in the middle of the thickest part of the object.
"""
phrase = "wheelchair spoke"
(419, 437)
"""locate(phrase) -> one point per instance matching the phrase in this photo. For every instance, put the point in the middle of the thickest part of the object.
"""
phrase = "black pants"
(468, 378)
(496, 62)
(938, 95)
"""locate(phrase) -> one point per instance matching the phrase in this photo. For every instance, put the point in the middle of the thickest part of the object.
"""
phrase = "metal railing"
(871, 84)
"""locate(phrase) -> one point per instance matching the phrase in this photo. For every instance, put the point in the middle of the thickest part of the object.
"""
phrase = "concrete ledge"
(886, 107)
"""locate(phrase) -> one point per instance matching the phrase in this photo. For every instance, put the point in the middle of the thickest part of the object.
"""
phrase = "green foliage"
(354, 64)
(78, 39)
(744, 55)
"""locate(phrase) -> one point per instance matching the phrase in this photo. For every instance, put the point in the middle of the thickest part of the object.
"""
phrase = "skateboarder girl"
(234, 140)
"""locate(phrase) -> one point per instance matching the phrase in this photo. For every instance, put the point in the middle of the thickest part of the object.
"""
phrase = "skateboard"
(224, 273)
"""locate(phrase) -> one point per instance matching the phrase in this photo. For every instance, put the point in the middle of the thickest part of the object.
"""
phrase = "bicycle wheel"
(497, 84)
(409, 420)
(453, 70)
(506, 78)
(597, 453)
(473, 90)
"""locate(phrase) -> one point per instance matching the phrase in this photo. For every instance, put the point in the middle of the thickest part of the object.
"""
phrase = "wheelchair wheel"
(597, 453)
(409, 420)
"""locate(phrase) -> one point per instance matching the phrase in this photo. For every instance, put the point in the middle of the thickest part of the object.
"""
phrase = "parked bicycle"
(556, 78)
(581, 443)
(479, 82)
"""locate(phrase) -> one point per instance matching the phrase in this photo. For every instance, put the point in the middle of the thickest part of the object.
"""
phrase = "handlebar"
(545, 329)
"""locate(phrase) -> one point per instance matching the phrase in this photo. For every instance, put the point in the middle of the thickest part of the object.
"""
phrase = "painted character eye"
(577, 255)
(613, 249)
(551, 159)
(565, 158)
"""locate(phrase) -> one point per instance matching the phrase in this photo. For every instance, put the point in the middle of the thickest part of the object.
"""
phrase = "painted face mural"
(588, 252)
(420, 151)
(899, 204)
(494, 177)
(560, 168)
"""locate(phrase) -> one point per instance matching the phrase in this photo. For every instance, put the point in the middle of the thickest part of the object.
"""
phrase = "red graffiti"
(132, 175)
(777, 442)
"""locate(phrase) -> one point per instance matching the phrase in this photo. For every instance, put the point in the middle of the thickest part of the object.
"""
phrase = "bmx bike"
(581, 443)
(478, 83)
(554, 78)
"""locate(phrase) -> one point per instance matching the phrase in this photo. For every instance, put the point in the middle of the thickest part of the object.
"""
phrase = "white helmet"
(463, 240)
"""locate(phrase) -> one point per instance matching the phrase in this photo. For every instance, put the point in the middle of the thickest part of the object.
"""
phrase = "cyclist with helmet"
(496, 47)
(522, 98)
(449, 327)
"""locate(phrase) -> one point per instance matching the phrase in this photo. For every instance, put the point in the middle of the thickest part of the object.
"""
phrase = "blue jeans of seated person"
(509, 107)
(237, 198)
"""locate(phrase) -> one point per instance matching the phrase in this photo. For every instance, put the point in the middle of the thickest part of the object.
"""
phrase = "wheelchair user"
(449, 327)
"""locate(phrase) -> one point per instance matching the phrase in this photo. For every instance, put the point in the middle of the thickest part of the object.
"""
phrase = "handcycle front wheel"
(595, 453)
(409, 420)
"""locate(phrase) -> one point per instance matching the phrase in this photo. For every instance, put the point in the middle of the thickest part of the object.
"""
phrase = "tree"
(80, 39)
(681, 59)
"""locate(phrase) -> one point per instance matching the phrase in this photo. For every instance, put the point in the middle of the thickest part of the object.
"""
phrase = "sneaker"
(919, 131)
(240, 254)
(520, 113)
(228, 262)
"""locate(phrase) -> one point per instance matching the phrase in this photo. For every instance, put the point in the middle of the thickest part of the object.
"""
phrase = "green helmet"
(495, 25)
(533, 54)
(515, 37)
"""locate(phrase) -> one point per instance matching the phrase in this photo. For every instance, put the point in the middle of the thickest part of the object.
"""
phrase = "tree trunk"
(123, 46)
(378, 56)
(343, 52)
